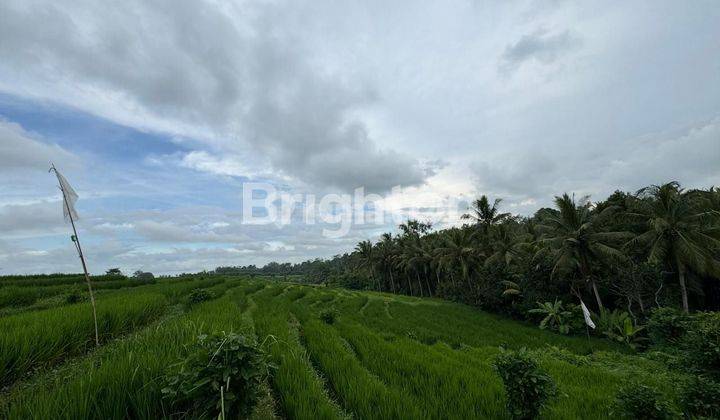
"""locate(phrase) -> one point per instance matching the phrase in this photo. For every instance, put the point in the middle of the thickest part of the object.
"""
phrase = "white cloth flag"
(586, 314)
(69, 197)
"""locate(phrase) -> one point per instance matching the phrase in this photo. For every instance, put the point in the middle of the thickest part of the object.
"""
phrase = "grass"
(383, 357)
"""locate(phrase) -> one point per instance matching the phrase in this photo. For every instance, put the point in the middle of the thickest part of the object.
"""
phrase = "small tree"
(114, 272)
(556, 316)
(527, 387)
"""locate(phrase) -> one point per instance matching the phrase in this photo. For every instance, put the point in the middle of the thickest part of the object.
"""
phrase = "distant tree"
(366, 254)
(485, 215)
(114, 272)
(458, 252)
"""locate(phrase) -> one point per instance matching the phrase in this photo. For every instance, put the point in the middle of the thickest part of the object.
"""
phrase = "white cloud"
(20, 150)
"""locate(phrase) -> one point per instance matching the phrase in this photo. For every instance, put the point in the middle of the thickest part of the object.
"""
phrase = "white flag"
(69, 197)
(586, 314)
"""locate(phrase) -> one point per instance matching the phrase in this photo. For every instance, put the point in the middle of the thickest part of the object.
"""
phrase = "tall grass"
(123, 379)
(37, 339)
(300, 390)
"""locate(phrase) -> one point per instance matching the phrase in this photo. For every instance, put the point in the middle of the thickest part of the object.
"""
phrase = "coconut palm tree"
(680, 230)
(386, 257)
(485, 215)
(458, 252)
(366, 253)
(507, 242)
(575, 240)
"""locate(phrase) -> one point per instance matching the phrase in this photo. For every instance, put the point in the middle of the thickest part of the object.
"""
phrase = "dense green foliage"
(199, 295)
(527, 387)
(636, 401)
(221, 376)
(701, 398)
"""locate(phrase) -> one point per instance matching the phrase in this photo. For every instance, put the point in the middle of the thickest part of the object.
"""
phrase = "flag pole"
(76, 241)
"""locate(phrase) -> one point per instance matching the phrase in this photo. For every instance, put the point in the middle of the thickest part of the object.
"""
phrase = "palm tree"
(680, 230)
(485, 215)
(574, 238)
(458, 251)
(365, 250)
(506, 243)
(387, 256)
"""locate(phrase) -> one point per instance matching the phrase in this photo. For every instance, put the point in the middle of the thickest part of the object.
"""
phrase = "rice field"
(384, 356)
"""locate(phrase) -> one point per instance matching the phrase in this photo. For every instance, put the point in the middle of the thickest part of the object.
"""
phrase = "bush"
(619, 326)
(666, 325)
(701, 342)
(700, 398)
(527, 387)
(74, 297)
(641, 402)
(221, 372)
(199, 295)
(328, 316)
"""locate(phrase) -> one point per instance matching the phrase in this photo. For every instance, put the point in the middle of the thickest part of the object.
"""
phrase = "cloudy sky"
(158, 112)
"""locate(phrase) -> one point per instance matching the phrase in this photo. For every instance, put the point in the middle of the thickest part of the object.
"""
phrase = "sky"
(161, 113)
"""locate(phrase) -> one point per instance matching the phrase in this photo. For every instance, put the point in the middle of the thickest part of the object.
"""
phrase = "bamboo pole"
(76, 241)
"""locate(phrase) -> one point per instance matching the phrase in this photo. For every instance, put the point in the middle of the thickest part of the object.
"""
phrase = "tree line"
(659, 246)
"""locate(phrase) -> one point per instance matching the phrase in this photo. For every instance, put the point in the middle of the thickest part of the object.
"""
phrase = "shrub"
(666, 325)
(74, 297)
(618, 326)
(199, 295)
(641, 402)
(527, 387)
(328, 316)
(701, 342)
(700, 398)
(222, 374)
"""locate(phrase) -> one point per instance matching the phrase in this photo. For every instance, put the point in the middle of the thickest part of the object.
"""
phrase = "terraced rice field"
(384, 356)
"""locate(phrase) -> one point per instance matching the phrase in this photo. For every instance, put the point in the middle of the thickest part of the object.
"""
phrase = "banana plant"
(556, 316)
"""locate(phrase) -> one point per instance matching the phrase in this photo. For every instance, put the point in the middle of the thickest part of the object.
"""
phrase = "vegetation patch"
(221, 376)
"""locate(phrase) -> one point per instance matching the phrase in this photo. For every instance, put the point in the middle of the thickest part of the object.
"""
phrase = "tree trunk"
(410, 285)
(683, 289)
(597, 295)
(417, 273)
(392, 282)
(640, 301)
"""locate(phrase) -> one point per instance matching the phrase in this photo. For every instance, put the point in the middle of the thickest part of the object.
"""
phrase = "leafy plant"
(199, 295)
(221, 375)
(556, 316)
(511, 288)
(328, 316)
(701, 343)
(700, 398)
(641, 402)
(527, 387)
(619, 326)
(666, 325)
